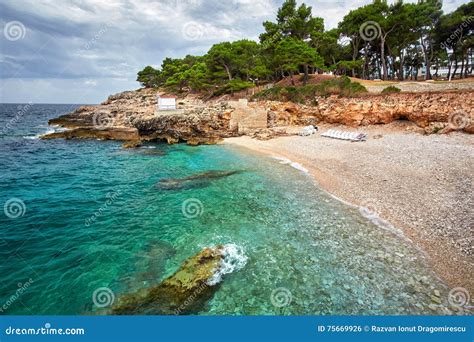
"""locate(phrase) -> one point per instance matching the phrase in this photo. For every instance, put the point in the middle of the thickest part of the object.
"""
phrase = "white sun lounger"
(351, 136)
(308, 130)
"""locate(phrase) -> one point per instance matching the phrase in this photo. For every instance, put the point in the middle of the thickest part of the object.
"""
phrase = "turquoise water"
(93, 217)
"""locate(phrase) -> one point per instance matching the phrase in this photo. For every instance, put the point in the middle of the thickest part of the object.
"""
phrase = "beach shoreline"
(422, 185)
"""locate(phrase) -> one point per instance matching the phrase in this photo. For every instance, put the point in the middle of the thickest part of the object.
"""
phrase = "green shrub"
(391, 89)
(342, 86)
(233, 86)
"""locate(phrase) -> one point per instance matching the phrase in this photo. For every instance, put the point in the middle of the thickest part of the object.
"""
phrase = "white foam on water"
(282, 160)
(31, 137)
(49, 130)
(294, 165)
(233, 259)
(299, 167)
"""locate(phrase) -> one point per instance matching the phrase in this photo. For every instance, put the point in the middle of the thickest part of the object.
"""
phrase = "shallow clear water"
(94, 218)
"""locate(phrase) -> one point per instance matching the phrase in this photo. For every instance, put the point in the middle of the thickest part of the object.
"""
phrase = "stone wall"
(247, 117)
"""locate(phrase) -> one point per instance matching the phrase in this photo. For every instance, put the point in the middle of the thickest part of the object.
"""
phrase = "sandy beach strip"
(421, 184)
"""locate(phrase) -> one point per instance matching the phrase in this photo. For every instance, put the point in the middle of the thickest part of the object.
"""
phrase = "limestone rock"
(132, 144)
(116, 133)
(430, 111)
(186, 291)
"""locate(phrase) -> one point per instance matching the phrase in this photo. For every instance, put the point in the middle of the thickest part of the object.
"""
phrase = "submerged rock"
(118, 133)
(187, 290)
(152, 152)
(195, 181)
(132, 144)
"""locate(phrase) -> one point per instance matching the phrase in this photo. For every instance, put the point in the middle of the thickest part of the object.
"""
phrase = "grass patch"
(391, 90)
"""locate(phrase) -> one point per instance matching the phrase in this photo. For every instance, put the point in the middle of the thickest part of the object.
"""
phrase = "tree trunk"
(401, 73)
(355, 51)
(382, 57)
(228, 72)
(306, 76)
(455, 67)
(449, 69)
(427, 60)
(379, 69)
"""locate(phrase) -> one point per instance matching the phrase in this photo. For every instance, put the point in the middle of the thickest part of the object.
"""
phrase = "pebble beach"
(422, 184)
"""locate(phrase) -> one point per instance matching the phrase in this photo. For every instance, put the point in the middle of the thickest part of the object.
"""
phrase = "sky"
(81, 51)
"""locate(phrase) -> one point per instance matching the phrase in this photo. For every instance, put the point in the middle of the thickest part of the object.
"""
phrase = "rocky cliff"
(133, 116)
(437, 111)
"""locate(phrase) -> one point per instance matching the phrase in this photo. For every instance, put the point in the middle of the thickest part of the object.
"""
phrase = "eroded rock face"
(187, 290)
(444, 109)
(206, 125)
(132, 116)
(136, 110)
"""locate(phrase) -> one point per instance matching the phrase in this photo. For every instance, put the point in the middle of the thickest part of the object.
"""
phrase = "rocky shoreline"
(132, 116)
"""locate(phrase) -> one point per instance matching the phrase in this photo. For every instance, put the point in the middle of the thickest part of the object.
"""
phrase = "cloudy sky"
(80, 51)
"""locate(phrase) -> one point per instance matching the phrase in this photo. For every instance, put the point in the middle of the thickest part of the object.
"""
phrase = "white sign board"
(166, 103)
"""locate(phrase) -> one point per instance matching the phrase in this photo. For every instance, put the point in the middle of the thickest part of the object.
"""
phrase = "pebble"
(435, 299)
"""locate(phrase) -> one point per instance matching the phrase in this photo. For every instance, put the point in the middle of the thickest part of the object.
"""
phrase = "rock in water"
(132, 144)
(187, 290)
(195, 181)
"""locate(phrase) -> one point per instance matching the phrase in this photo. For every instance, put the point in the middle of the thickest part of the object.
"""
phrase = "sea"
(84, 222)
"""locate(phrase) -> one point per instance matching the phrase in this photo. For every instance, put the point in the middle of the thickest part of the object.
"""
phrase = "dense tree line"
(378, 40)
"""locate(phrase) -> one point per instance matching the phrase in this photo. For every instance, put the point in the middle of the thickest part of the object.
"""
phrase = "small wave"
(282, 160)
(37, 136)
(379, 222)
(298, 166)
(294, 165)
(49, 130)
(233, 259)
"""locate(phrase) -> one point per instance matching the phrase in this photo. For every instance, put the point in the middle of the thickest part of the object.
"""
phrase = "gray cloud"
(81, 51)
